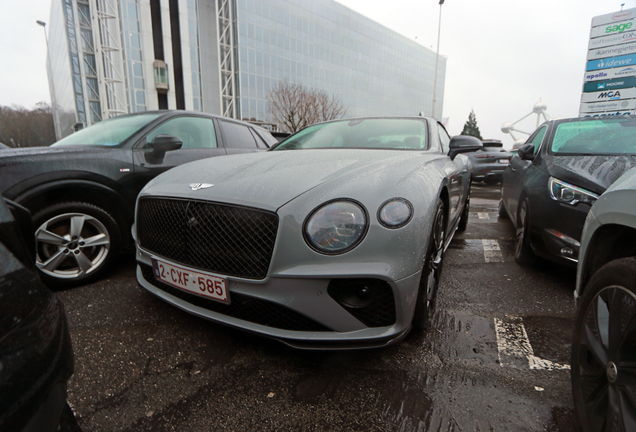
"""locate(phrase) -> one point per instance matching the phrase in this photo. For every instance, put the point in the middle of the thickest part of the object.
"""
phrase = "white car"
(334, 238)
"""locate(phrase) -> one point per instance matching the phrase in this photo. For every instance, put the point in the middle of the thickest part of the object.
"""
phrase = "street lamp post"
(439, 30)
(49, 76)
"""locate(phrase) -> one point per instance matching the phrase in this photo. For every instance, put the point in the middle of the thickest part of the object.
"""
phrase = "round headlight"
(336, 227)
(395, 213)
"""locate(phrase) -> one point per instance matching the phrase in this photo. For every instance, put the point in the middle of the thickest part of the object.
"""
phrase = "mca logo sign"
(610, 95)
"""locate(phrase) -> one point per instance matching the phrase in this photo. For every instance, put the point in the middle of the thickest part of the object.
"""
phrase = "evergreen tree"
(470, 127)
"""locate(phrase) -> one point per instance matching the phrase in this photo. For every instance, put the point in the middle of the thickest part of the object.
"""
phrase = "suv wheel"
(75, 243)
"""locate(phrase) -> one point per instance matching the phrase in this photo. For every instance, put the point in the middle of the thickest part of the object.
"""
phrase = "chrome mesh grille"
(218, 238)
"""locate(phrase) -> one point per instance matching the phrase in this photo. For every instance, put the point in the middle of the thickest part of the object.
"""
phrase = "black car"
(489, 162)
(36, 357)
(555, 178)
(82, 189)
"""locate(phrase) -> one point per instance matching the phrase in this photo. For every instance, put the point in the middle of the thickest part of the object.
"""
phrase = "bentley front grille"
(218, 238)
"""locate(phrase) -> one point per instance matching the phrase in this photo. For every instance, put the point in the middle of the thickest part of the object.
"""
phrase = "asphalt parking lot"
(496, 357)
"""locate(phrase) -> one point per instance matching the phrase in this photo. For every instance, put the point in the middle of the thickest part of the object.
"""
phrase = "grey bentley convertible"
(334, 238)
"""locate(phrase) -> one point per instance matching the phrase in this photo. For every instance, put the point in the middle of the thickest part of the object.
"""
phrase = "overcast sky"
(504, 56)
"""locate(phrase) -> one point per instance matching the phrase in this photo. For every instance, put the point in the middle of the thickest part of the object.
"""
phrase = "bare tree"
(21, 127)
(293, 106)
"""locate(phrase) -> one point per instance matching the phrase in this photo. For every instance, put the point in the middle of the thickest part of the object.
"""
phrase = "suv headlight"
(336, 227)
(569, 194)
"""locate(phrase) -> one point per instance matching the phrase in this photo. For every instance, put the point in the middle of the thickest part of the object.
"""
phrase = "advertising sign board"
(613, 84)
(613, 28)
(609, 83)
(619, 105)
(606, 114)
(612, 51)
(614, 17)
(610, 74)
(626, 60)
(615, 39)
(608, 95)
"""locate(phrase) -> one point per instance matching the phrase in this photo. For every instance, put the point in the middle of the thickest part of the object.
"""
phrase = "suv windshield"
(607, 136)
(394, 134)
(109, 132)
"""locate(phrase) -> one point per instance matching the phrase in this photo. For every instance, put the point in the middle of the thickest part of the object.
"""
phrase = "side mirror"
(164, 143)
(463, 144)
(526, 152)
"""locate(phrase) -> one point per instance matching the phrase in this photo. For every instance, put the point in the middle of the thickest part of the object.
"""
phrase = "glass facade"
(130, 25)
(324, 45)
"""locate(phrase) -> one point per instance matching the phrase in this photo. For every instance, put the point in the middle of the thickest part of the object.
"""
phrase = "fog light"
(356, 296)
(567, 252)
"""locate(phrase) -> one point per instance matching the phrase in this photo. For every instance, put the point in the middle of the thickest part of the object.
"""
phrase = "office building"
(111, 57)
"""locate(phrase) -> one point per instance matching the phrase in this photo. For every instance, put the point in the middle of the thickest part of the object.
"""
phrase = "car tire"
(523, 251)
(432, 270)
(463, 220)
(603, 353)
(75, 243)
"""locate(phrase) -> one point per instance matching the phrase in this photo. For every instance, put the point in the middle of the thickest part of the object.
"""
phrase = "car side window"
(444, 139)
(538, 138)
(237, 136)
(195, 132)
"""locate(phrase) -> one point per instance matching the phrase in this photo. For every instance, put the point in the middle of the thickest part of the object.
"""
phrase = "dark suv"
(81, 190)
(489, 162)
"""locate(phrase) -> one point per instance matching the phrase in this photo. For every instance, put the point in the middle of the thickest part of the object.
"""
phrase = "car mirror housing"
(463, 144)
(164, 143)
(526, 152)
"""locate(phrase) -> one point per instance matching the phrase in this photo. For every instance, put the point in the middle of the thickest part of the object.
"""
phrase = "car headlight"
(395, 213)
(336, 227)
(569, 194)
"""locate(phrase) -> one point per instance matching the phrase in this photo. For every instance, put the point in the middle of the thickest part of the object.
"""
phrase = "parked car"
(332, 239)
(36, 357)
(489, 162)
(556, 176)
(82, 189)
(604, 338)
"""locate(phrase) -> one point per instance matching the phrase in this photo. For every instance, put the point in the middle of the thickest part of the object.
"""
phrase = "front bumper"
(304, 311)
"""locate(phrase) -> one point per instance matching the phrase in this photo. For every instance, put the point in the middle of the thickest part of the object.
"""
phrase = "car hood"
(594, 173)
(269, 180)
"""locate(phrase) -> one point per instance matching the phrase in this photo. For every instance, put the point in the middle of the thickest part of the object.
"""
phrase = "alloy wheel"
(71, 245)
(605, 360)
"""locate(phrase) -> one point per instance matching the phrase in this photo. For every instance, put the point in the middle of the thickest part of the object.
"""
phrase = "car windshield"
(607, 136)
(394, 134)
(109, 132)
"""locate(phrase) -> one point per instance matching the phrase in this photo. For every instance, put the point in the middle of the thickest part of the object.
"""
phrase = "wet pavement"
(496, 357)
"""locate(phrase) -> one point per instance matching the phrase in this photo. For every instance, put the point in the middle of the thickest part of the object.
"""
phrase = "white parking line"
(483, 215)
(513, 344)
(492, 251)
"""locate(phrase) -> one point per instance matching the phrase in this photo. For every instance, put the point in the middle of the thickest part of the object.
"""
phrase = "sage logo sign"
(626, 60)
(613, 28)
(620, 83)
(612, 51)
(609, 95)
(612, 40)
(620, 105)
